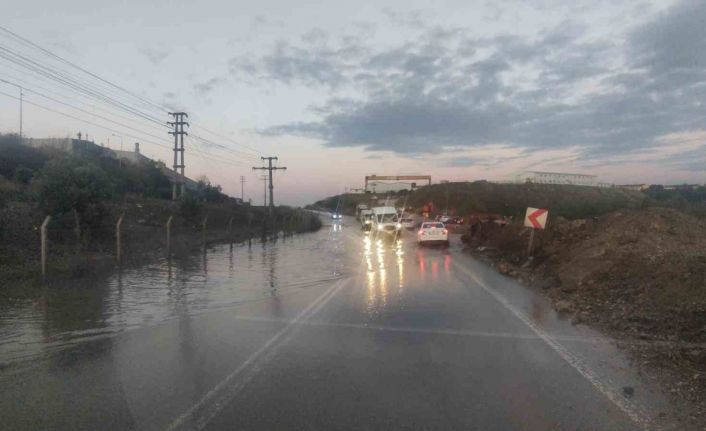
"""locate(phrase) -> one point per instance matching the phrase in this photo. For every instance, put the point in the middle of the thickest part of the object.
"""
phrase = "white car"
(408, 223)
(432, 231)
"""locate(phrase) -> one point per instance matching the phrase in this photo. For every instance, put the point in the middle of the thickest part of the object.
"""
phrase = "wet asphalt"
(382, 335)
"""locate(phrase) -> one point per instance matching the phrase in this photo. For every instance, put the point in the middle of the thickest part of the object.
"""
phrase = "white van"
(385, 220)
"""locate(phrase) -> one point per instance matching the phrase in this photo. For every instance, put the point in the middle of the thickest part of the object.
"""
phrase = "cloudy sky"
(460, 90)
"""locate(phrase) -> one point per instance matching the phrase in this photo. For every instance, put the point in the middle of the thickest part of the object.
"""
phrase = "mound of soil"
(636, 274)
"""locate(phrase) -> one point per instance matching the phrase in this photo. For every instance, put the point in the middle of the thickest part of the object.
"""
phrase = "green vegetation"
(513, 199)
(685, 198)
(507, 199)
(80, 184)
(70, 185)
(86, 191)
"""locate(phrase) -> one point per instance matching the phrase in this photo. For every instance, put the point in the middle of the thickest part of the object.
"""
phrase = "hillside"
(86, 193)
(507, 199)
(513, 199)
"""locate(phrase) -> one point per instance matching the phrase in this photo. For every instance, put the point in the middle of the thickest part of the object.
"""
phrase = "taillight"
(446, 232)
(421, 232)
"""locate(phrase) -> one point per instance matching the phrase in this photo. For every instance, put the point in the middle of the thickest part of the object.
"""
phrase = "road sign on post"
(535, 218)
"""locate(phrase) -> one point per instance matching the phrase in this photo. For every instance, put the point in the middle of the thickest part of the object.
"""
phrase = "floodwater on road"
(221, 276)
(331, 330)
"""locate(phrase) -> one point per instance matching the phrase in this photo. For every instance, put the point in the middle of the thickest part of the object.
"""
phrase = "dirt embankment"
(639, 275)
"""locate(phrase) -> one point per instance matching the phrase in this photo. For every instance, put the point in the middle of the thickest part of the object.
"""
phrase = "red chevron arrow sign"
(536, 218)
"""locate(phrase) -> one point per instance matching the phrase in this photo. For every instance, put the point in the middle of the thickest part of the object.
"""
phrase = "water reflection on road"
(219, 277)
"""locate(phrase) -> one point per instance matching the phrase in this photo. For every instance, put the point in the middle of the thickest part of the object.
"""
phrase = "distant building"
(133, 156)
(71, 145)
(81, 146)
(637, 187)
(541, 177)
(385, 183)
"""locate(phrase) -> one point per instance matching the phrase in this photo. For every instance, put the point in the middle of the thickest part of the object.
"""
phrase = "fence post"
(250, 216)
(203, 230)
(119, 239)
(77, 230)
(169, 236)
(43, 232)
(230, 232)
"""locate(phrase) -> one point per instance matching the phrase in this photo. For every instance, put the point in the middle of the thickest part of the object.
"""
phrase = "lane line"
(216, 399)
(469, 333)
(603, 385)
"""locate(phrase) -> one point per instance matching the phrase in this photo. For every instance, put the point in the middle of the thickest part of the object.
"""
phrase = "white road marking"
(603, 385)
(474, 333)
(213, 402)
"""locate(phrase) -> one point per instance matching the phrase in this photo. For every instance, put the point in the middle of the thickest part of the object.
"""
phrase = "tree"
(22, 175)
(67, 185)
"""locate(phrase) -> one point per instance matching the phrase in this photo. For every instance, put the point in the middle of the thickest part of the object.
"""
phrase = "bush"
(190, 207)
(67, 185)
(13, 155)
(22, 175)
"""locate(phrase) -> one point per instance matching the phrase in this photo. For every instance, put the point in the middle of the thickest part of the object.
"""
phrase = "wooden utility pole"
(270, 168)
(179, 134)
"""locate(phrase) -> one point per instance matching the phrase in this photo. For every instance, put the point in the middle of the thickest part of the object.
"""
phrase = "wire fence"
(128, 240)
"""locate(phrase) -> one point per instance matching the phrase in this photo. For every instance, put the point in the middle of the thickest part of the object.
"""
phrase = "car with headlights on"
(408, 223)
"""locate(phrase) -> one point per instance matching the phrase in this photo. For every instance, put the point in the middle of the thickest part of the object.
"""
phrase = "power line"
(270, 168)
(179, 164)
(242, 188)
(257, 152)
(89, 112)
(47, 52)
(85, 121)
(104, 95)
(67, 80)
(217, 145)
(55, 93)
(216, 158)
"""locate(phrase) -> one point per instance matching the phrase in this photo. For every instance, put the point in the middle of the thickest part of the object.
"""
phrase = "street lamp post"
(21, 97)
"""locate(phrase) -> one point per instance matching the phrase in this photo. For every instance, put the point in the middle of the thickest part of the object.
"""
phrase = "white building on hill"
(540, 177)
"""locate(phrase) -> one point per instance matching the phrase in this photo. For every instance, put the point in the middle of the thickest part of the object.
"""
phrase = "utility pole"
(270, 168)
(264, 190)
(19, 87)
(242, 188)
(21, 96)
(178, 133)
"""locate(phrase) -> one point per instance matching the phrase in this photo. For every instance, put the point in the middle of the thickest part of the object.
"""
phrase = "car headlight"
(367, 221)
(379, 227)
(398, 226)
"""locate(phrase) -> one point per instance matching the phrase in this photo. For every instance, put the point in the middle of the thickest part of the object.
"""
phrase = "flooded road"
(222, 276)
(332, 330)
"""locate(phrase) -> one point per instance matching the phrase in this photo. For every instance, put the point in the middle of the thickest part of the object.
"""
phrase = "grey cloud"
(315, 35)
(436, 91)
(155, 56)
(675, 41)
(299, 65)
(206, 87)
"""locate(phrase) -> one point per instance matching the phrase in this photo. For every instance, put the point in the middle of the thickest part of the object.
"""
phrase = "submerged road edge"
(636, 413)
